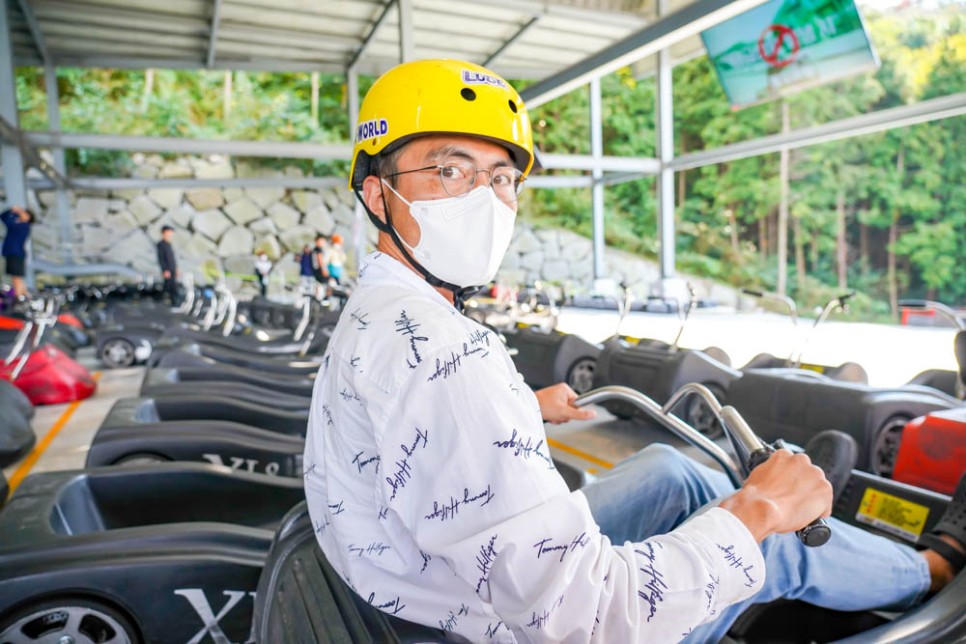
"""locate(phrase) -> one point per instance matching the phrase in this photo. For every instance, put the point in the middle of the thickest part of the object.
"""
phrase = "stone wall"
(219, 230)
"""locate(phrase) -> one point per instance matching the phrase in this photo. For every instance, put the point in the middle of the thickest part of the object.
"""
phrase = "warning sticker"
(892, 514)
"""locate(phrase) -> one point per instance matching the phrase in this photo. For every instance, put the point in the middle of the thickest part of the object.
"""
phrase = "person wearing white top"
(427, 471)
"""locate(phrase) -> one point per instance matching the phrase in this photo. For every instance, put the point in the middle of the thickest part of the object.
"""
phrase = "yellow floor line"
(21, 472)
(577, 452)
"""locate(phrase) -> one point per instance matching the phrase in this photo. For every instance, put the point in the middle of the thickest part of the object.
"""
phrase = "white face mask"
(462, 240)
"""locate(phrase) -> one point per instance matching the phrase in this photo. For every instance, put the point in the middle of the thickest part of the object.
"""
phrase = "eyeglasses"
(459, 177)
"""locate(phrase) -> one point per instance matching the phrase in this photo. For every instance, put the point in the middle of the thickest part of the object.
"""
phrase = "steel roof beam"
(35, 32)
(213, 34)
(894, 117)
(512, 39)
(294, 183)
(279, 149)
(640, 165)
(372, 32)
(686, 22)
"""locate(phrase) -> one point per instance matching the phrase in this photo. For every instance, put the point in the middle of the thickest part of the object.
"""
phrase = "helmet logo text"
(372, 129)
(479, 78)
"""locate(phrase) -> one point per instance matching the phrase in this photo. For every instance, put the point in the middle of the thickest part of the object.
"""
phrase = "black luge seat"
(228, 389)
(177, 358)
(301, 599)
(295, 385)
(128, 412)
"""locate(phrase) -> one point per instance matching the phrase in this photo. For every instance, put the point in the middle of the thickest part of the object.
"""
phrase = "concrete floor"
(75, 428)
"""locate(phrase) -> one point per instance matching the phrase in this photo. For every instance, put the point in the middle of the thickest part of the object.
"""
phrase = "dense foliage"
(899, 197)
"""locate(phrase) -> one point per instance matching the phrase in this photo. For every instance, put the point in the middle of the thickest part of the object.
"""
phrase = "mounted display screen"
(784, 46)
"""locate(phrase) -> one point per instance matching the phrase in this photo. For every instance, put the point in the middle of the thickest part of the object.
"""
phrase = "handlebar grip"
(752, 292)
(815, 534)
(846, 297)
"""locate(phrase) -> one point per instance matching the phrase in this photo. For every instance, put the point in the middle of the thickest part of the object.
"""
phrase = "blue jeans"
(655, 490)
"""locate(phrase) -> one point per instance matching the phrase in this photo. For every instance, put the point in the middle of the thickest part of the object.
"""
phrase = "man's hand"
(783, 494)
(22, 214)
(557, 405)
(167, 275)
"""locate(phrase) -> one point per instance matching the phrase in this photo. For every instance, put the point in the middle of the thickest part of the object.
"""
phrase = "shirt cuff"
(733, 553)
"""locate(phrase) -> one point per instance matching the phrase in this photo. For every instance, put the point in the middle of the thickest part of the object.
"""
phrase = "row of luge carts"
(189, 522)
(914, 433)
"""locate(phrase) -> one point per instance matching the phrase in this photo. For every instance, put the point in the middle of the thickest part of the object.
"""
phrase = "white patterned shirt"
(433, 494)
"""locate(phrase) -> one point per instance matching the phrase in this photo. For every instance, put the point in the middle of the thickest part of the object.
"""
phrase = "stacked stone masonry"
(218, 231)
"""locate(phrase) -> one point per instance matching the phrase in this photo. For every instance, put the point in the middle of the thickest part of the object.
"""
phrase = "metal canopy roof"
(516, 38)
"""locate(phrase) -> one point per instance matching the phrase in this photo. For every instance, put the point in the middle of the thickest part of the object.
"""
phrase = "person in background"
(336, 258)
(320, 265)
(18, 222)
(169, 265)
(263, 266)
(306, 278)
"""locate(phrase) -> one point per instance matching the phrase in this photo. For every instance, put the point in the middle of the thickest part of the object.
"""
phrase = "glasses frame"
(439, 170)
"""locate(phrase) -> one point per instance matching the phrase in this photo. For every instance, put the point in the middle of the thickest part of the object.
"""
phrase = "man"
(263, 266)
(336, 258)
(18, 222)
(169, 266)
(320, 265)
(427, 471)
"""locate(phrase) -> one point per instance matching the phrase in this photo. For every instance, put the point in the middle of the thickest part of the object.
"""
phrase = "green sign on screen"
(784, 46)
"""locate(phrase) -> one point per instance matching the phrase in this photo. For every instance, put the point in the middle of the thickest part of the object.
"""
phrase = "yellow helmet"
(439, 97)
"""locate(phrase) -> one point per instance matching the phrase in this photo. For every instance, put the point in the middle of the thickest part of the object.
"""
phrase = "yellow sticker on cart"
(892, 514)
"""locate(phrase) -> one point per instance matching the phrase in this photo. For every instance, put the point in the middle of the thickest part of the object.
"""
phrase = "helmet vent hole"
(468, 94)
(513, 106)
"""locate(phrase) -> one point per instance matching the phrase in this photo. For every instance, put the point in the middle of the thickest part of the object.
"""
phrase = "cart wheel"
(117, 353)
(886, 447)
(698, 414)
(75, 620)
(580, 376)
(140, 458)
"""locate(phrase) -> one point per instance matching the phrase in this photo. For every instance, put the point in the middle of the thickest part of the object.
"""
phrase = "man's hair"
(321, 236)
(165, 228)
(385, 164)
(31, 215)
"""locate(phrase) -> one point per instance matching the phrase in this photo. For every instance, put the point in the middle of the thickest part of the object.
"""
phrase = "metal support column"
(14, 182)
(665, 153)
(597, 191)
(62, 204)
(359, 220)
(407, 48)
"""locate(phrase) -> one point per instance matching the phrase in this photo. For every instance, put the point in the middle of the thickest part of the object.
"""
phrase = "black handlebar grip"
(817, 533)
(752, 292)
(846, 297)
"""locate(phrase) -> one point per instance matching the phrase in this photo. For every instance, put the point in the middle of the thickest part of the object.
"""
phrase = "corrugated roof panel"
(271, 36)
(81, 47)
(186, 8)
(136, 21)
(250, 51)
(326, 34)
(290, 20)
(62, 32)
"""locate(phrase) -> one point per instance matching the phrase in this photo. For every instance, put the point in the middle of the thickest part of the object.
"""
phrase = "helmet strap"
(460, 293)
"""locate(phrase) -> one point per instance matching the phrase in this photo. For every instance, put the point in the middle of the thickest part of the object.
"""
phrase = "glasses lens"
(507, 183)
(459, 177)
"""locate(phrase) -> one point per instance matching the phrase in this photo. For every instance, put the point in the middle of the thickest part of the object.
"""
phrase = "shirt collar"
(380, 268)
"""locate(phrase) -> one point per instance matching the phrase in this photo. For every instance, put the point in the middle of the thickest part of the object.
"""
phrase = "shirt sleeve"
(467, 470)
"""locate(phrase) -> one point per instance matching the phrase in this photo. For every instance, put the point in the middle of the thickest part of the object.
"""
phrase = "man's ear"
(373, 197)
